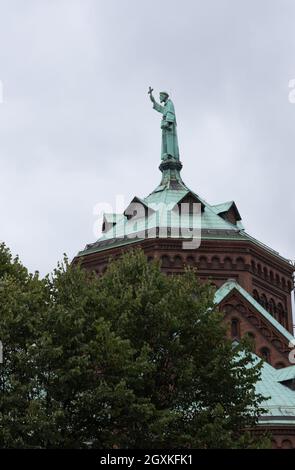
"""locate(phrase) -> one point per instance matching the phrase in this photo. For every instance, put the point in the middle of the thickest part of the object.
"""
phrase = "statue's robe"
(169, 136)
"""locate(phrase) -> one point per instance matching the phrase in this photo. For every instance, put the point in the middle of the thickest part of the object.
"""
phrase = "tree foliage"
(132, 359)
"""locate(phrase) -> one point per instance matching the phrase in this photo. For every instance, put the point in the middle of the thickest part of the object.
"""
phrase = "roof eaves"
(266, 247)
(117, 243)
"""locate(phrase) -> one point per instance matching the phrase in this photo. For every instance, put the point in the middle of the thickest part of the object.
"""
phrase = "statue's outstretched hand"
(150, 92)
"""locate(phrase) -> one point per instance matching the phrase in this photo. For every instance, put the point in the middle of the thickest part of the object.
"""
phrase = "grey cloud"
(76, 126)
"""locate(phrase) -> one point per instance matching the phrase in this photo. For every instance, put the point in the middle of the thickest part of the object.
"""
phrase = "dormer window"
(189, 205)
(228, 211)
(137, 209)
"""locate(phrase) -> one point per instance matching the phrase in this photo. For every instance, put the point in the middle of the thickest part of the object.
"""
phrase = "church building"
(253, 282)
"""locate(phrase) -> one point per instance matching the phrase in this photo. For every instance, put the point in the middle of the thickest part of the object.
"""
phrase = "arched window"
(265, 273)
(165, 261)
(190, 261)
(177, 261)
(215, 262)
(240, 263)
(227, 263)
(271, 307)
(282, 315)
(235, 328)
(263, 301)
(256, 295)
(287, 444)
(203, 262)
(265, 354)
(280, 308)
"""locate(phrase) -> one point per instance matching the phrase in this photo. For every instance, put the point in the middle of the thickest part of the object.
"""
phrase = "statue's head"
(163, 96)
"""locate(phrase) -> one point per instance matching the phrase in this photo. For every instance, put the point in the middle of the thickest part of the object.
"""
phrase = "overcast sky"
(77, 128)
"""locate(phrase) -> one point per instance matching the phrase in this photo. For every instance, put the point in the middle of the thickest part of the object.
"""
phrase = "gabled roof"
(280, 400)
(130, 207)
(279, 403)
(193, 197)
(157, 203)
(232, 285)
(225, 207)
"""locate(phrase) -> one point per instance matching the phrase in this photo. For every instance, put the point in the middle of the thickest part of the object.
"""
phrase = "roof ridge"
(223, 203)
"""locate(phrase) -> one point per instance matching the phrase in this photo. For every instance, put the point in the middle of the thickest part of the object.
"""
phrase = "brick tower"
(253, 282)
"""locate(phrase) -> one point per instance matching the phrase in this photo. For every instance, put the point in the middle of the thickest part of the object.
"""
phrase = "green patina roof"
(223, 207)
(281, 403)
(121, 230)
(132, 230)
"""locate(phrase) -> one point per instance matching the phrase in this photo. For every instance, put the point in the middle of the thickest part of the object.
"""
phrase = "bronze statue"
(168, 125)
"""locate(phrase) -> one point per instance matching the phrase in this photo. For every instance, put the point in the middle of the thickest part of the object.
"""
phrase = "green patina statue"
(168, 125)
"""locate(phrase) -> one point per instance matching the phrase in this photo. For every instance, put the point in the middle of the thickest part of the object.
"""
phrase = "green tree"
(22, 297)
(132, 359)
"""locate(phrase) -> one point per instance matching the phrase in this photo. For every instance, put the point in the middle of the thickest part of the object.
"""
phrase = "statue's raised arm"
(150, 92)
(168, 125)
